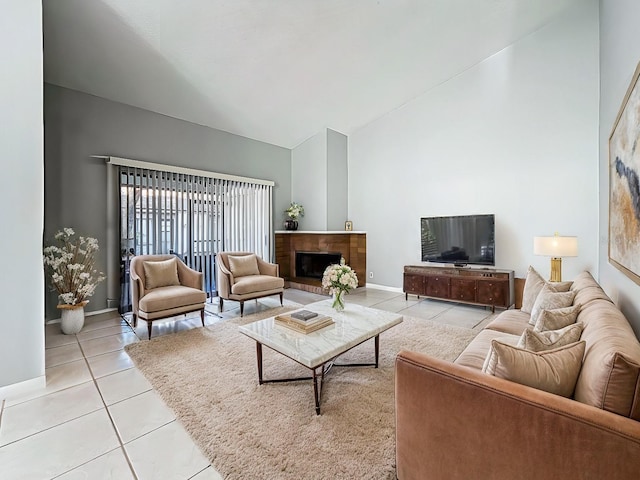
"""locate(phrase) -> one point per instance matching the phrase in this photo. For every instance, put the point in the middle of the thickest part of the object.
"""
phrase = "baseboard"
(21, 388)
(384, 287)
(86, 314)
(99, 312)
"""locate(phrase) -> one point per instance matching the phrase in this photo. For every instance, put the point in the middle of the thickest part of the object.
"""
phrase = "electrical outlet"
(370, 274)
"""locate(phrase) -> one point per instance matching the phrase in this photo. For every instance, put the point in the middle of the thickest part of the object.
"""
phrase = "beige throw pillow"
(549, 299)
(554, 371)
(556, 319)
(533, 285)
(561, 286)
(244, 265)
(160, 274)
(550, 339)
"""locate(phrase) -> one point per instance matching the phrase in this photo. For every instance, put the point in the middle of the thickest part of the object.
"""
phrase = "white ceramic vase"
(72, 318)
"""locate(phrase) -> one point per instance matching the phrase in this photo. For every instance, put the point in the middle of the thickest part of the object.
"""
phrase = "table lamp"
(556, 247)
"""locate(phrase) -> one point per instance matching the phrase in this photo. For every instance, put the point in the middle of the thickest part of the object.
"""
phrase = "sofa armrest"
(189, 277)
(266, 268)
(454, 422)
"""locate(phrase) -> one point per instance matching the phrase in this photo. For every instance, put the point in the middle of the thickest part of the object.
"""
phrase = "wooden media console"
(486, 286)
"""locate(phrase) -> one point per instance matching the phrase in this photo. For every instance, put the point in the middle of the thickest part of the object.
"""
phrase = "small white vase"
(72, 318)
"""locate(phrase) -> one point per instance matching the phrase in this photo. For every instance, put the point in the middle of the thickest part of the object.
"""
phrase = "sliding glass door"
(191, 216)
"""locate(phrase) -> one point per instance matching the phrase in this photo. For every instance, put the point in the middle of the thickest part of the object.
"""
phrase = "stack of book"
(303, 321)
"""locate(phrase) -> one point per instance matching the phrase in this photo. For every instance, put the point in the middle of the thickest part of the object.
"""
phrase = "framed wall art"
(624, 184)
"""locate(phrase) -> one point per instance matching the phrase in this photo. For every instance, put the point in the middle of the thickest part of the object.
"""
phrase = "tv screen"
(462, 239)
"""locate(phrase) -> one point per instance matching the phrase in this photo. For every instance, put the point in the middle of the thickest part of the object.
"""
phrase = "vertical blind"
(191, 216)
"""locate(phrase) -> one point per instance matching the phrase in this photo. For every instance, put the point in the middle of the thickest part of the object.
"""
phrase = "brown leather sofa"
(455, 422)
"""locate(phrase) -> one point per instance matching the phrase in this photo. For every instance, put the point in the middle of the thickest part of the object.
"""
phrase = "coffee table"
(318, 350)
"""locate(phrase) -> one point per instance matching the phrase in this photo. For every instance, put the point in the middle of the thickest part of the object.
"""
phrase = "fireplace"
(352, 246)
(313, 264)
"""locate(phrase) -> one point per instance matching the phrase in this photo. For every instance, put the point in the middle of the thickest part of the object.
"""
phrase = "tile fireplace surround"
(351, 245)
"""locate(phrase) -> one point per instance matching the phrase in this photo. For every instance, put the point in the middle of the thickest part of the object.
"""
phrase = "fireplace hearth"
(313, 264)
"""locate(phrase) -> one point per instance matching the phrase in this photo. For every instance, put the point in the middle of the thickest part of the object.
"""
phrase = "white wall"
(21, 196)
(619, 56)
(515, 135)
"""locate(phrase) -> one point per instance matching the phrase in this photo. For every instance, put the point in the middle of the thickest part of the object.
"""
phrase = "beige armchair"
(245, 276)
(163, 286)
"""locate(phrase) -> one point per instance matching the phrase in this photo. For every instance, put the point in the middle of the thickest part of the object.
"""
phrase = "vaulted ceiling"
(278, 71)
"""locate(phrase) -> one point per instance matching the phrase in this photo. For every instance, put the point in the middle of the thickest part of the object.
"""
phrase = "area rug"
(208, 376)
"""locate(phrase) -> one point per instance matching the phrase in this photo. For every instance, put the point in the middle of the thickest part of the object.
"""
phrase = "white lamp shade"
(555, 246)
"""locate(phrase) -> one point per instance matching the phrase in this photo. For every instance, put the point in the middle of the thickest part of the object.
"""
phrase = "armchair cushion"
(256, 283)
(173, 296)
(162, 273)
(241, 266)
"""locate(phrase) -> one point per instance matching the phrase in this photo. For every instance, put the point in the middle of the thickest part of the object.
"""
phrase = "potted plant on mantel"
(70, 265)
(293, 212)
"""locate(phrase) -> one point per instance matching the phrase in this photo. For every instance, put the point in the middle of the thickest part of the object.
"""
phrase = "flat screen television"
(461, 239)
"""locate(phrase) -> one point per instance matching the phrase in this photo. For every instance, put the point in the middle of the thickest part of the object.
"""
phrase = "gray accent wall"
(337, 179)
(78, 126)
(319, 167)
(619, 56)
(21, 146)
(309, 181)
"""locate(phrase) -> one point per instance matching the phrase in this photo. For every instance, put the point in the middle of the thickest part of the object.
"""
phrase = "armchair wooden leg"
(281, 296)
(220, 304)
(149, 326)
(135, 320)
(241, 307)
(202, 316)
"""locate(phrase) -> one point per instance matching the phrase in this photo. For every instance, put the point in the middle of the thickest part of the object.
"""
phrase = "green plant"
(294, 211)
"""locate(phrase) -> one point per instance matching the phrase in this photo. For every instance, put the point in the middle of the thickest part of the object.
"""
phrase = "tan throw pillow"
(561, 286)
(554, 371)
(549, 299)
(160, 274)
(244, 265)
(550, 339)
(556, 319)
(534, 284)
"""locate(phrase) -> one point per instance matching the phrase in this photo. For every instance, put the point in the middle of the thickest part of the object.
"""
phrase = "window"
(193, 216)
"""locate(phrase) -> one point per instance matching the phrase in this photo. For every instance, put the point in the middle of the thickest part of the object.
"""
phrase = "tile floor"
(99, 418)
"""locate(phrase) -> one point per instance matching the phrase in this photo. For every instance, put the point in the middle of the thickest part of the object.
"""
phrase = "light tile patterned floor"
(99, 418)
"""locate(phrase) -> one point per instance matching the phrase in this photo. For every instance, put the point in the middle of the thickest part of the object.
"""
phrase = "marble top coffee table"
(318, 350)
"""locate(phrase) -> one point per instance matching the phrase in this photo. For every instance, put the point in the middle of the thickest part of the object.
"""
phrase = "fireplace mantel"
(351, 245)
